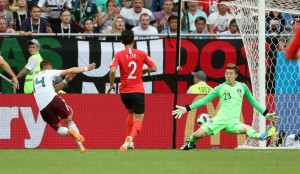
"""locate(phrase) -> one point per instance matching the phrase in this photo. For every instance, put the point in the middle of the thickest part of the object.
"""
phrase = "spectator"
(275, 22)
(89, 29)
(233, 29)
(3, 28)
(35, 24)
(219, 21)
(12, 5)
(145, 28)
(200, 86)
(117, 27)
(32, 67)
(200, 24)
(21, 14)
(6, 14)
(172, 26)
(66, 26)
(51, 10)
(102, 5)
(293, 140)
(158, 4)
(208, 6)
(161, 17)
(126, 5)
(189, 16)
(106, 20)
(132, 15)
(83, 10)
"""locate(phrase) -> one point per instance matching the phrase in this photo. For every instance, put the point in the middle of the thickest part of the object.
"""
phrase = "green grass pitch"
(100, 161)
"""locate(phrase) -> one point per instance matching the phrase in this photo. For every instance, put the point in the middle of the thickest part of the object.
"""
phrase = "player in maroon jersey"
(132, 91)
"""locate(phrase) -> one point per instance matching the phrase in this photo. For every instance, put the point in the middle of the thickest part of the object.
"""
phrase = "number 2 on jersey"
(131, 76)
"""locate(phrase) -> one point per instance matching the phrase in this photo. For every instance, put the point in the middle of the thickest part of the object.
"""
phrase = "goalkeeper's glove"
(179, 111)
(272, 117)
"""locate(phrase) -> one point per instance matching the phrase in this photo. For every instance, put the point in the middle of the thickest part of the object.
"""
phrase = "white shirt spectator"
(228, 37)
(132, 19)
(150, 31)
(56, 7)
(221, 23)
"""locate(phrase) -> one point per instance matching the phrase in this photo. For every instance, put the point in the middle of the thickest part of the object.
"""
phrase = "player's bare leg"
(74, 132)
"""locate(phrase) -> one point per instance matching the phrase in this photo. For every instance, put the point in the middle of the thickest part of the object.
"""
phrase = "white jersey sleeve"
(44, 91)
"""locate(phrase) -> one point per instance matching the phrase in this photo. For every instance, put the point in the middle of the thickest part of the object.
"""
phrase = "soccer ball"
(202, 119)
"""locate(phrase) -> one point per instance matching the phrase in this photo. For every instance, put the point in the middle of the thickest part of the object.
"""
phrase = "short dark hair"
(35, 6)
(45, 63)
(200, 18)
(127, 37)
(172, 17)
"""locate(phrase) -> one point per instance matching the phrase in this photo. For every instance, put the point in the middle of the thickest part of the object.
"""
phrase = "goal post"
(275, 81)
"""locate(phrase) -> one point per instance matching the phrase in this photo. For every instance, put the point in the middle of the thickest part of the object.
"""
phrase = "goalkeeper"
(231, 95)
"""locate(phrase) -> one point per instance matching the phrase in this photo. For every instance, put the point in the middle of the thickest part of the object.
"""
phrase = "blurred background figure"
(3, 27)
(145, 28)
(6, 13)
(21, 14)
(200, 86)
(293, 140)
(172, 26)
(162, 17)
(106, 20)
(233, 29)
(201, 28)
(117, 27)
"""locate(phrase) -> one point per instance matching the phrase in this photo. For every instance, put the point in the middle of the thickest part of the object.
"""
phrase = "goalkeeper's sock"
(136, 129)
(192, 141)
(252, 133)
(73, 126)
(129, 124)
(62, 131)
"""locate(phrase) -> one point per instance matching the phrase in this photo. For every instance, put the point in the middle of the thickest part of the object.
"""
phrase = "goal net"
(282, 77)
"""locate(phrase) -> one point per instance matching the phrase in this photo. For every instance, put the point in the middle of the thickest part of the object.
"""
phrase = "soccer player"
(132, 91)
(4, 65)
(292, 51)
(231, 95)
(51, 106)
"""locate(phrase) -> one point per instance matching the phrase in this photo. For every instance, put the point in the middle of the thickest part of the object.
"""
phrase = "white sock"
(62, 131)
(73, 126)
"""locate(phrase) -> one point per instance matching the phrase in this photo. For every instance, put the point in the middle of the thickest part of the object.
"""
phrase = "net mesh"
(282, 77)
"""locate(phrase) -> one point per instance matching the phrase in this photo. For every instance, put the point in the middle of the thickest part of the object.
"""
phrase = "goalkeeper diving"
(231, 95)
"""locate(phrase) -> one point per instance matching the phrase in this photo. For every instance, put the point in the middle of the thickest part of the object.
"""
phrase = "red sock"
(136, 129)
(129, 124)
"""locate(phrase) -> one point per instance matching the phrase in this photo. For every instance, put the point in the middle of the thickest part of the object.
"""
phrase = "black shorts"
(134, 101)
(56, 110)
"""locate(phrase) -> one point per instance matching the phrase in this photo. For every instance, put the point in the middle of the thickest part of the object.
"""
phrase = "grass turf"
(149, 161)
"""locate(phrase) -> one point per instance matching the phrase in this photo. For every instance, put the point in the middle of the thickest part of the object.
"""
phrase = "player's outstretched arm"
(272, 117)
(180, 111)
(63, 83)
(77, 70)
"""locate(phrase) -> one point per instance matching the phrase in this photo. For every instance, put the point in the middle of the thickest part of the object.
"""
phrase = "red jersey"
(294, 46)
(131, 62)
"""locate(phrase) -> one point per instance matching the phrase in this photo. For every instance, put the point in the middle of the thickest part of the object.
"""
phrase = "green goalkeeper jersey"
(231, 99)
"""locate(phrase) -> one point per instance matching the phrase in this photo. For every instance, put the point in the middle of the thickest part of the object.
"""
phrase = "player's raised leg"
(74, 132)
